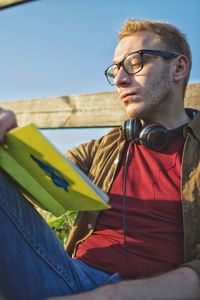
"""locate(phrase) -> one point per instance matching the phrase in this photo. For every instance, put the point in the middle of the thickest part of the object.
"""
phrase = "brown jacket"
(99, 160)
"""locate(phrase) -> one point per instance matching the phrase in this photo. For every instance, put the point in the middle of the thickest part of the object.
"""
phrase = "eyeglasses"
(134, 63)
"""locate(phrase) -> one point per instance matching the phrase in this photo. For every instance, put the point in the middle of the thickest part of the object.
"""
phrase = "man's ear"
(180, 68)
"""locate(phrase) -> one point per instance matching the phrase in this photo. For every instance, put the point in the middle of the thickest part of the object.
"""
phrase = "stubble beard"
(155, 100)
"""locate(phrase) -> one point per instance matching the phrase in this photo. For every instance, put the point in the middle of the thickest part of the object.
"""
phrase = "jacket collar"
(194, 125)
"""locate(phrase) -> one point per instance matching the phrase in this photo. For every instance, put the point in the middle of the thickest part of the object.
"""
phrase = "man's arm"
(7, 122)
(179, 284)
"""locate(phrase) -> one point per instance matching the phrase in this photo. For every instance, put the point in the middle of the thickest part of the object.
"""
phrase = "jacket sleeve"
(83, 155)
(191, 195)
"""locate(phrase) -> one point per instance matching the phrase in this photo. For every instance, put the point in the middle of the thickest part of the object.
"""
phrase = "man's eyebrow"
(115, 62)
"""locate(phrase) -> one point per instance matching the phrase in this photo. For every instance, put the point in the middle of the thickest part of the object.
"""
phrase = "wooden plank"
(88, 110)
(7, 3)
(69, 111)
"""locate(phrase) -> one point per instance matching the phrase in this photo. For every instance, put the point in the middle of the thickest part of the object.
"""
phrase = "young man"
(148, 243)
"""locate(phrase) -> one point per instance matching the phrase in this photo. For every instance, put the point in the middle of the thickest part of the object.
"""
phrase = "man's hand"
(7, 122)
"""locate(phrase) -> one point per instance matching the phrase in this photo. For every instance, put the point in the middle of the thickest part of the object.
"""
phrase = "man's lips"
(126, 97)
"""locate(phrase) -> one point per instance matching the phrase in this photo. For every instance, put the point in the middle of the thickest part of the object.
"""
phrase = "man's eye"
(114, 70)
(132, 65)
(135, 62)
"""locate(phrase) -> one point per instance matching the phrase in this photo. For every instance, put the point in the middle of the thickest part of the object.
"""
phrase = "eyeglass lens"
(131, 64)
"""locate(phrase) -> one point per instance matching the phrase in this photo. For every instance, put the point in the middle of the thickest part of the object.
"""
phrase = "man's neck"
(170, 121)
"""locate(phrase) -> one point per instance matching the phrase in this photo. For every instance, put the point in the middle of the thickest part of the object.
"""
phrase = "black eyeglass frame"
(164, 54)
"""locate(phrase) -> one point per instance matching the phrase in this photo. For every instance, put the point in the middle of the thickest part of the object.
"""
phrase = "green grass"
(60, 225)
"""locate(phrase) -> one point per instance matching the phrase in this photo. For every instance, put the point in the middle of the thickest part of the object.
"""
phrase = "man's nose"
(122, 78)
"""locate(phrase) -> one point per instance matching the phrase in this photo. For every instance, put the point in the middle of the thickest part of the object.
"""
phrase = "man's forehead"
(135, 42)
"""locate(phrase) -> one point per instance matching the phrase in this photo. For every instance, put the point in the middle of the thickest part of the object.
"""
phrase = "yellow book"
(48, 179)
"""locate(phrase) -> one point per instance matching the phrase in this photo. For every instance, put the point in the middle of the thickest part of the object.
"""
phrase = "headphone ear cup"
(154, 136)
(131, 129)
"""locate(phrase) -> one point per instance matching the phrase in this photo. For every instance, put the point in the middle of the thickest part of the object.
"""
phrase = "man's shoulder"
(194, 125)
(114, 133)
(87, 150)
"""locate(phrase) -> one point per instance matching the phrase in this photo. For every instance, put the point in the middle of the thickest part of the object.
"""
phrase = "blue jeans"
(33, 263)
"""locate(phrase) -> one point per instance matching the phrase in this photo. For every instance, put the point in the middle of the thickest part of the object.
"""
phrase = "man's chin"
(133, 114)
(137, 111)
(134, 111)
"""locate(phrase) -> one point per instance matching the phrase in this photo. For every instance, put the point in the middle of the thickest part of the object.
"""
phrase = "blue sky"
(62, 47)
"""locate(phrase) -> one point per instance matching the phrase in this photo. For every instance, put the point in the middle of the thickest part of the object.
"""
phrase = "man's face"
(146, 94)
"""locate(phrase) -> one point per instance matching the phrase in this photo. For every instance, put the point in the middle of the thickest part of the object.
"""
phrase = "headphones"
(155, 136)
